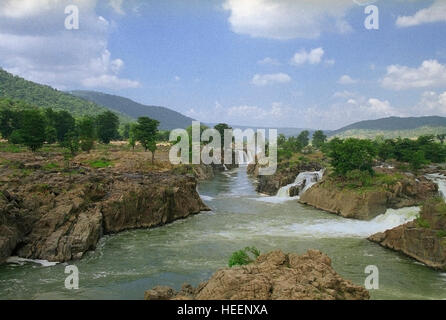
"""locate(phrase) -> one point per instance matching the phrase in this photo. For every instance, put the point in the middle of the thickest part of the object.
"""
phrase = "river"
(191, 250)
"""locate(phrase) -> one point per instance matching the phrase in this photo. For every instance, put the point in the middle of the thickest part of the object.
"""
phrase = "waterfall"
(304, 181)
(440, 180)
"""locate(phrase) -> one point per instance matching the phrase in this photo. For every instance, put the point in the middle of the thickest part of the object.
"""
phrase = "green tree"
(351, 154)
(146, 133)
(32, 129)
(107, 127)
(9, 121)
(63, 123)
(71, 142)
(50, 134)
(87, 133)
(319, 138)
(304, 138)
(441, 137)
(132, 135)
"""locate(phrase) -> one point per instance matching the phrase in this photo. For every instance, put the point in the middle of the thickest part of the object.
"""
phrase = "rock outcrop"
(273, 276)
(423, 239)
(365, 205)
(59, 217)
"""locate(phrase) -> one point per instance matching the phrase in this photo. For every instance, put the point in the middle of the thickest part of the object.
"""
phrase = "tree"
(87, 133)
(9, 121)
(107, 126)
(71, 142)
(50, 134)
(351, 154)
(32, 129)
(319, 138)
(125, 132)
(441, 137)
(63, 122)
(132, 136)
(146, 133)
(304, 138)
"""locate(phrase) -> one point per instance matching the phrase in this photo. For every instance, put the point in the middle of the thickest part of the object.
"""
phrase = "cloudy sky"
(280, 63)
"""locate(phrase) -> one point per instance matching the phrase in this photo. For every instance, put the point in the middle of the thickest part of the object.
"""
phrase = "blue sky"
(281, 63)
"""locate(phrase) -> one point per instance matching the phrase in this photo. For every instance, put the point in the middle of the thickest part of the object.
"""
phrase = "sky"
(265, 63)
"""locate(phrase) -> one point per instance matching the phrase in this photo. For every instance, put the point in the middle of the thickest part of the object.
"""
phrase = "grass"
(100, 163)
(422, 223)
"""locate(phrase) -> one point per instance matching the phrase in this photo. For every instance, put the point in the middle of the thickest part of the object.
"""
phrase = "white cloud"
(249, 115)
(269, 79)
(431, 73)
(117, 6)
(431, 103)
(346, 80)
(288, 19)
(177, 78)
(312, 57)
(435, 13)
(34, 44)
(109, 82)
(269, 61)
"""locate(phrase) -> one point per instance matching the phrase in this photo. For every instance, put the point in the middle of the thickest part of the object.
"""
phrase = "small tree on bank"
(146, 133)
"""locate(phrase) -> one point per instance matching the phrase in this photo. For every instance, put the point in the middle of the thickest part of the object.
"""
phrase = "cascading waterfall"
(440, 180)
(304, 181)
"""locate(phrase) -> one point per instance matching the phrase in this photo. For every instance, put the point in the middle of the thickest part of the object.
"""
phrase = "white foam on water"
(206, 198)
(304, 180)
(22, 261)
(357, 228)
(440, 180)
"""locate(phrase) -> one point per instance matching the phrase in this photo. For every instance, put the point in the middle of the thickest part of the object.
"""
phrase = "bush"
(351, 154)
(359, 178)
(244, 257)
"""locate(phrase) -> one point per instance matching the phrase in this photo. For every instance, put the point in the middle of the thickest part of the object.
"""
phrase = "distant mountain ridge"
(17, 88)
(394, 127)
(169, 119)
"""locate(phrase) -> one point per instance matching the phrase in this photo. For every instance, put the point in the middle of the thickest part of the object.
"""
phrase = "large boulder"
(59, 217)
(273, 276)
(423, 239)
(367, 204)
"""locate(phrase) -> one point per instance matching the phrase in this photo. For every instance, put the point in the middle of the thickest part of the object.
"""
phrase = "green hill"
(168, 118)
(393, 127)
(16, 88)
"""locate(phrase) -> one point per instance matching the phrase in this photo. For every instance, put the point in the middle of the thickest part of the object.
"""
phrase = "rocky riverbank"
(403, 190)
(423, 239)
(58, 215)
(273, 276)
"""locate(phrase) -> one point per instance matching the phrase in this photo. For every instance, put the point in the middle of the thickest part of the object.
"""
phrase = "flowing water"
(190, 250)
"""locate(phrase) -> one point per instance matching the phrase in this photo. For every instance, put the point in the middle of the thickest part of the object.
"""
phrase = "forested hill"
(393, 127)
(17, 88)
(168, 118)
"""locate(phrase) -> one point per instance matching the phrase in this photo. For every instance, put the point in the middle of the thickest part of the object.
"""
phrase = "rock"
(160, 293)
(368, 204)
(58, 218)
(425, 243)
(274, 276)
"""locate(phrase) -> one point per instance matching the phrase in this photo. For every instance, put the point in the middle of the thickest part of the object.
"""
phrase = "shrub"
(244, 257)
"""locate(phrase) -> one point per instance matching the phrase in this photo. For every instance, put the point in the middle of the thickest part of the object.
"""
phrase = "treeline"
(287, 146)
(32, 127)
(353, 154)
